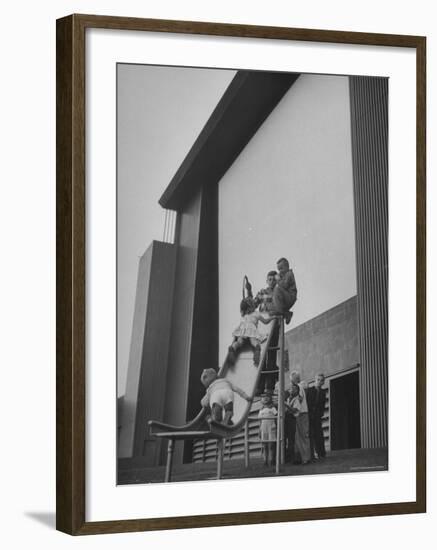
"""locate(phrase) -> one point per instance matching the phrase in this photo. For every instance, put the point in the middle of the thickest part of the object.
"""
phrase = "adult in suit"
(301, 435)
(316, 399)
(290, 427)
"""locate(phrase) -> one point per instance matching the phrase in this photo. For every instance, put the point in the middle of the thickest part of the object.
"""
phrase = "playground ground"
(351, 460)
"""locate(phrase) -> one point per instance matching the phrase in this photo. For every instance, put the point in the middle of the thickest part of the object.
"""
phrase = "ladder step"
(269, 371)
(274, 348)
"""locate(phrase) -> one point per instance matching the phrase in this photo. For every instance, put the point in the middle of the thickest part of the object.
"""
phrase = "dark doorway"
(345, 412)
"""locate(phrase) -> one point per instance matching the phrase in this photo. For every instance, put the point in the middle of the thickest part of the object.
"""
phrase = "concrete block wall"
(327, 343)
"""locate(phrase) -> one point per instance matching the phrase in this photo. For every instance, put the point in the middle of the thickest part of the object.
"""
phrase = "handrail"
(183, 428)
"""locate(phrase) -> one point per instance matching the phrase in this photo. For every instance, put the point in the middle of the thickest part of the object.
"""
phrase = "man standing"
(302, 436)
(316, 399)
(292, 408)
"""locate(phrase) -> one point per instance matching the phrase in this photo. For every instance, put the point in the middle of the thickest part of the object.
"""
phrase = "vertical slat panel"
(369, 129)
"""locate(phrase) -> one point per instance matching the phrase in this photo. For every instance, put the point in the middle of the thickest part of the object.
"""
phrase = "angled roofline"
(247, 102)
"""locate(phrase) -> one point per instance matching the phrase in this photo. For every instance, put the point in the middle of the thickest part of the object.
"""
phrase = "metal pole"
(246, 444)
(170, 449)
(280, 426)
(282, 390)
(220, 448)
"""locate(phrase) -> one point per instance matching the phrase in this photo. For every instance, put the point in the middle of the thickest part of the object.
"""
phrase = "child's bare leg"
(257, 350)
(272, 453)
(229, 411)
(231, 351)
(216, 412)
(238, 343)
(266, 453)
(233, 348)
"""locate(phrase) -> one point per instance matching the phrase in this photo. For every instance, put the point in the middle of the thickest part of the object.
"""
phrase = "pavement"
(350, 460)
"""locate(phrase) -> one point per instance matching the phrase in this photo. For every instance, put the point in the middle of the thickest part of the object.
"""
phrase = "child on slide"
(247, 331)
(219, 396)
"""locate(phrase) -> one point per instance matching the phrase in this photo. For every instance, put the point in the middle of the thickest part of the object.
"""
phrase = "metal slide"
(243, 374)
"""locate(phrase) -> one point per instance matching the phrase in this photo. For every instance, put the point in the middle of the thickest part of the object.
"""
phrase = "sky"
(289, 193)
(160, 112)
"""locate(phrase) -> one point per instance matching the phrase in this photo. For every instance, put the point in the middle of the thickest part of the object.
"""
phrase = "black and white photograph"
(252, 274)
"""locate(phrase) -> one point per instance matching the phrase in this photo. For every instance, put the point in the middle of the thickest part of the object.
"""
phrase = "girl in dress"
(247, 331)
(267, 430)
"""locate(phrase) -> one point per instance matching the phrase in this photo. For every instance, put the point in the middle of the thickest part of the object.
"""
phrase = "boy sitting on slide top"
(285, 291)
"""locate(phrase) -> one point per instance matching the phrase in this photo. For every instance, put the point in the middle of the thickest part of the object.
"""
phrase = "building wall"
(130, 399)
(148, 359)
(327, 343)
(290, 193)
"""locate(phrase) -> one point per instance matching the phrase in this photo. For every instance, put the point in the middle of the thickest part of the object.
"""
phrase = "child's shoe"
(287, 316)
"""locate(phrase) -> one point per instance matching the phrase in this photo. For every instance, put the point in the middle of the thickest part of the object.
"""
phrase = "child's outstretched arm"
(205, 400)
(240, 392)
(264, 320)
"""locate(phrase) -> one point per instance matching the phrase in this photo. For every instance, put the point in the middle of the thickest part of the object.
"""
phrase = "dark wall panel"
(204, 337)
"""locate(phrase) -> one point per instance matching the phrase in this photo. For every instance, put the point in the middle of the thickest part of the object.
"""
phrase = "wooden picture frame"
(71, 253)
